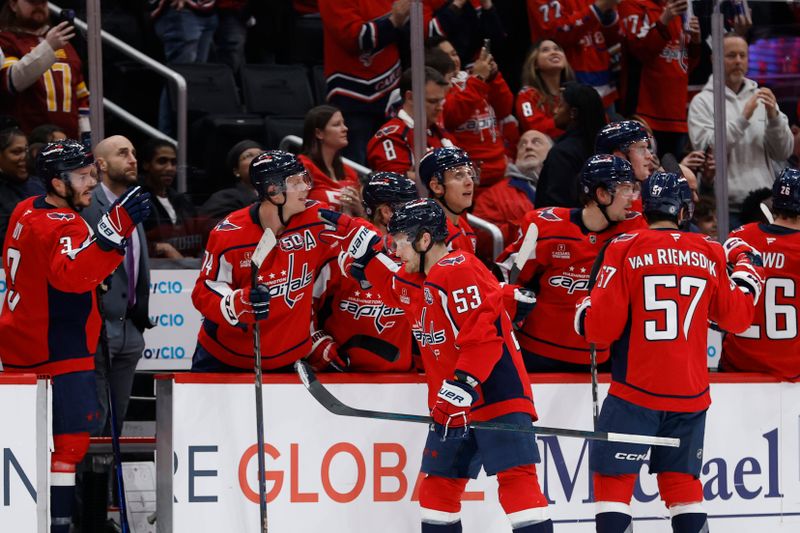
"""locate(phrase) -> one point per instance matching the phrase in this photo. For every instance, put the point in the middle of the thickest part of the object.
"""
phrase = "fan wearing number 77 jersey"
(772, 344)
(655, 293)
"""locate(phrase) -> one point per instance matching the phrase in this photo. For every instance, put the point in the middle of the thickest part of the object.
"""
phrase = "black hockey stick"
(123, 504)
(332, 404)
(592, 346)
(265, 246)
(385, 350)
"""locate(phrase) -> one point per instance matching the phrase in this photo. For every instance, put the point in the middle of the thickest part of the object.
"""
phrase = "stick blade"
(527, 250)
(265, 246)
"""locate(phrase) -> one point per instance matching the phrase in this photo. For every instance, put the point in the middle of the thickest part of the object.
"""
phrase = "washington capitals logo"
(377, 312)
(291, 285)
(427, 338)
(60, 216)
(452, 261)
(226, 225)
(548, 214)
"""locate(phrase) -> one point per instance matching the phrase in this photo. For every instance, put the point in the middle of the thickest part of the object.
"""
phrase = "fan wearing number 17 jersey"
(772, 344)
(655, 293)
(472, 363)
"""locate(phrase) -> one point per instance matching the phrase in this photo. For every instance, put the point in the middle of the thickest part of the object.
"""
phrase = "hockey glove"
(114, 227)
(246, 306)
(325, 354)
(735, 248)
(581, 309)
(526, 301)
(451, 411)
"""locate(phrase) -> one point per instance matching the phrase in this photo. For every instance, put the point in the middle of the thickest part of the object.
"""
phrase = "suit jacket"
(115, 301)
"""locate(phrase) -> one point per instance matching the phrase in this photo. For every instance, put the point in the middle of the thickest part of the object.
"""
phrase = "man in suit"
(125, 304)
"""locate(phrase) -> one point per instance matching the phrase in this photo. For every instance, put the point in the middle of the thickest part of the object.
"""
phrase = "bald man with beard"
(125, 304)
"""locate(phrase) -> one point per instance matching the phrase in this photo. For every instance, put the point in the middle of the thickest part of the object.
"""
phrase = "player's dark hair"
(438, 59)
(431, 75)
(316, 119)
(659, 216)
(751, 206)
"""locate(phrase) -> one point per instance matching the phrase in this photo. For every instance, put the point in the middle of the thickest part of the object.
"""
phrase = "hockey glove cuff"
(325, 354)
(451, 412)
(748, 277)
(526, 301)
(116, 225)
(735, 248)
(246, 306)
(581, 308)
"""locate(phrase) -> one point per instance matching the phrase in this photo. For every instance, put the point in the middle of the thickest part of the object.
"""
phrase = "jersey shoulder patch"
(226, 225)
(624, 237)
(453, 260)
(386, 131)
(549, 214)
(58, 215)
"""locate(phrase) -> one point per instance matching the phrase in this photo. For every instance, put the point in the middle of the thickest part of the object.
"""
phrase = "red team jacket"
(771, 344)
(655, 292)
(472, 110)
(534, 115)
(375, 336)
(559, 274)
(576, 27)
(58, 97)
(325, 189)
(391, 149)
(289, 272)
(459, 322)
(656, 65)
(461, 237)
(362, 62)
(50, 323)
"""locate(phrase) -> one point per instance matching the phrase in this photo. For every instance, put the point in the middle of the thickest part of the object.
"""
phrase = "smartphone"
(67, 15)
(487, 45)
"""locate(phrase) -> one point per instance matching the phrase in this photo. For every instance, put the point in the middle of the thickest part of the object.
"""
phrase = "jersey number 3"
(688, 286)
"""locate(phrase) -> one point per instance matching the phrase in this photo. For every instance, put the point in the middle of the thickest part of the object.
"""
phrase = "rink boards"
(328, 473)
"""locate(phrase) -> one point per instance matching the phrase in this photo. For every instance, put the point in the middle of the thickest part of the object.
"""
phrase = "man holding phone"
(41, 79)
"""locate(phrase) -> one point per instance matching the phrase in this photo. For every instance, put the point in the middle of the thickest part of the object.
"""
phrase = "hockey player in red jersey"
(472, 362)
(451, 179)
(654, 295)
(283, 298)
(391, 149)
(50, 324)
(629, 140)
(569, 241)
(354, 323)
(771, 344)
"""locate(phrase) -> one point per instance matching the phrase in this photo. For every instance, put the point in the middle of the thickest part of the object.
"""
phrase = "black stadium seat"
(276, 89)
(212, 89)
(276, 128)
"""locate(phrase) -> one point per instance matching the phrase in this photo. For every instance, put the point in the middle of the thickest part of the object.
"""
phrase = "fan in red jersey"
(771, 344)
(655, 292)
(282, 299)
(569, 241)
(50, 324)
(472, 362)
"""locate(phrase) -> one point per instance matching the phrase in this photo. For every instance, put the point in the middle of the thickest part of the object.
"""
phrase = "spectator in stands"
(173, 229)
(585, 29)
(545, 71)
(705, 216)
(15, 184)
(224, 202)
(657, 55)
(465, 24)
(391, 149)
(581, 115)
(472, 108)
(186, 29)
(231, 34)
(324, 137)
(506, 202)
(362, 62)
(39, 136)
(758, 133)
(41, 80)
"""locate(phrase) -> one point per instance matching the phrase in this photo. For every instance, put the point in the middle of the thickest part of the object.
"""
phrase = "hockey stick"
(117, 452)
(767, 213)
(265, 246)
(527, 250)
(592, 346)
(332, 404)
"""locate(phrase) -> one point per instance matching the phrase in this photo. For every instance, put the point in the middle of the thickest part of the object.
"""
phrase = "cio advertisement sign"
(21, 488)
(347, 474)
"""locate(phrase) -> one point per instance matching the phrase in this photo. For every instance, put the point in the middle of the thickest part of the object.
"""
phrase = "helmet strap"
(603, 208)
(278, 205)
(444, 202)
(69, 196)
(422, 253)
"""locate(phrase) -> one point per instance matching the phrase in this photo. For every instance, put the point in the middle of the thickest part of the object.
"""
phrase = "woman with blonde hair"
(543, 74)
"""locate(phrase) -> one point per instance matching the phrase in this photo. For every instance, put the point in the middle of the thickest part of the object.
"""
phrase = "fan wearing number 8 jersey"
(771, 344)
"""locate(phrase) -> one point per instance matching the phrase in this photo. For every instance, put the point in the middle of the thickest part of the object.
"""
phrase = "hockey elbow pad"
(581, 308)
